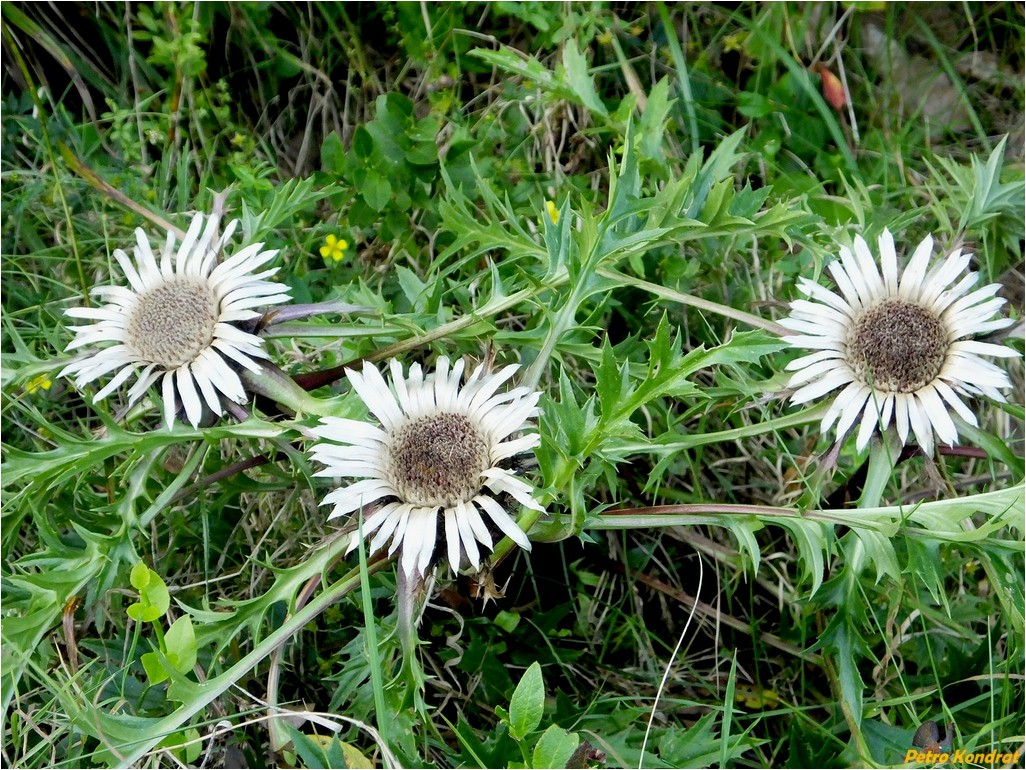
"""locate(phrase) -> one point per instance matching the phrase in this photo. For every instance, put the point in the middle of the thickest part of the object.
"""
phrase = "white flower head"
(441, 458)
(897, 345)
(176, 321)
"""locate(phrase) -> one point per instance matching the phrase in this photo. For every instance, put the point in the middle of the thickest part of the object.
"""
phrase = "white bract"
(442, 457)
(176, 321)
(897, 344)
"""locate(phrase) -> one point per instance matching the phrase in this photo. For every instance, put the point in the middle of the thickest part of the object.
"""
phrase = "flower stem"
(883, 455)
(273, 383)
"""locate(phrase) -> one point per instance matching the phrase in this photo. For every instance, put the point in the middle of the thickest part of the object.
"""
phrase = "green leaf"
(186, 745)
(582, 84)
(699, 745)
(140, 576)
(843, 641)
(154, 598)
(180, 641)
(415, 290)
(363, 143)
(513, 61)
(311, 753)
(507, 621)
(652, 125)
(555, 747)
(333, 154)
(527, 703)
(376, 191)
(155, 671)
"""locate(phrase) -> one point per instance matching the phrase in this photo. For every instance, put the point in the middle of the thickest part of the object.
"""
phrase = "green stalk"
(565, 319)
(683, 80)
(504, 546)
(373, 650)
(883, 454)
(273, 383)
(493, 307)
(748, 319)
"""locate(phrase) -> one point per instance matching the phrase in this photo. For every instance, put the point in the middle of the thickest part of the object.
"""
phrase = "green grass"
(703, 583)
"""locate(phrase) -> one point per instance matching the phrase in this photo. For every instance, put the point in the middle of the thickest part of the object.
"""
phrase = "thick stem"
(273, 383)
(883, 455)
(410, 593)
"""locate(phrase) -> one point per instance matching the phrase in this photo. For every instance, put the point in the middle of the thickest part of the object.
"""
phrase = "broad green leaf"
(139, 577)
(154, 667)
(333, 154)
(180, 641)
(154, 598)
(554, 748)
(376, 191)
(527, 704)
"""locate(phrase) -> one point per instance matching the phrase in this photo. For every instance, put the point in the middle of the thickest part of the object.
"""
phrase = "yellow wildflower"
(735, 42)
(553, 212)
(42, 381)
(334, 248)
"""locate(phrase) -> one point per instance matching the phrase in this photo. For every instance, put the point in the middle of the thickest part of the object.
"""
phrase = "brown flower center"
(897, 346)
(438, 460)
(173, 322)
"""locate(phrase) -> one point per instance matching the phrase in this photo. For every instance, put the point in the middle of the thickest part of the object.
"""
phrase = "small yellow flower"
(605, 37)
(553, 212)
(735, 42)
(756, 698)
(42, 381)
(334, 248)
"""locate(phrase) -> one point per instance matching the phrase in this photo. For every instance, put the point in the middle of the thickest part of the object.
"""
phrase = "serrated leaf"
(527, 704)
(869, 546)
(611, 379)
(581, 83)
(812, 538)
(574, 424)
(512, 61)
(554, 748)
(652, 125)
(845, 645)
